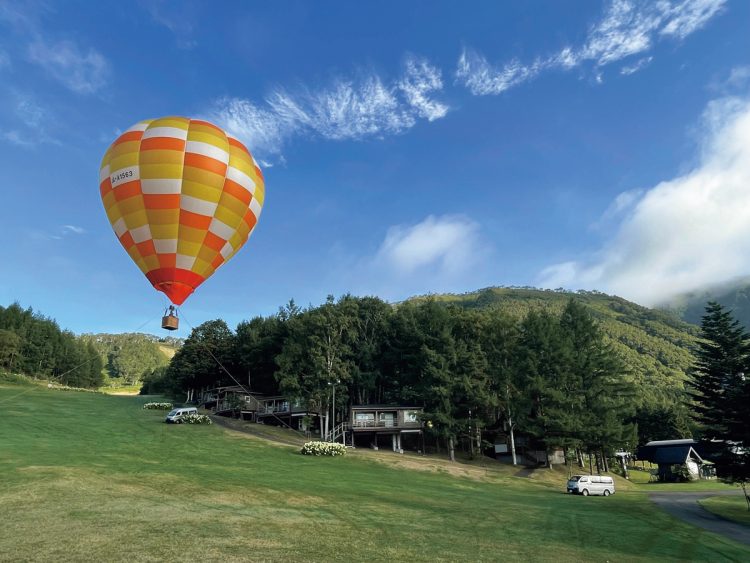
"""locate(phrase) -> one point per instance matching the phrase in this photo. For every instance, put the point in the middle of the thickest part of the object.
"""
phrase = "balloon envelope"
(182, 196)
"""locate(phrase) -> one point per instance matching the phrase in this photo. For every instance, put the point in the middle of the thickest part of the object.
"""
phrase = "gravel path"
(685, 507)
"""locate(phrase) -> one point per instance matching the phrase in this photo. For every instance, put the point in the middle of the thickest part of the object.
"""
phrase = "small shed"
(676, 459)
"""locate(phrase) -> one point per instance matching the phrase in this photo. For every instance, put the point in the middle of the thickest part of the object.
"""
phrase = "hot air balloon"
(183, 197)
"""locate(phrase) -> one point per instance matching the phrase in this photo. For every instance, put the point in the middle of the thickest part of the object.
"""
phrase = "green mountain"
(734, 295)
(128, 356)
(655, 344)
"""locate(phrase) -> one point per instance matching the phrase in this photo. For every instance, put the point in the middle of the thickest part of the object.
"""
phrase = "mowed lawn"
(91, 477)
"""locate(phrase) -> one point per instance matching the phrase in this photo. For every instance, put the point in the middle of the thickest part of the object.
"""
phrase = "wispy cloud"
(627, 28)
(482, 78)
(354, 108)
(419, 80)
(636, 66)
(174, 17)
(61, 233)
(73, 229)
(4, 60)
(83, 72)
(15, 137)
(683, 18)
(682, 234)
(31, 123)
(80, 69)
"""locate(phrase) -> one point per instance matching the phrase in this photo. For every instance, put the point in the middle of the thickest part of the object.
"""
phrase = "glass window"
(411, 416)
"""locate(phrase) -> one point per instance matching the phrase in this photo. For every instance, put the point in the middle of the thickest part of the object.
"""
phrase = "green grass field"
(92, 477)
(731, 508)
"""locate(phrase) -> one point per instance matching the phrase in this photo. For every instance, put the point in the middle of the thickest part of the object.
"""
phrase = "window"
(411, 416)
(364, 419)
(387, 418)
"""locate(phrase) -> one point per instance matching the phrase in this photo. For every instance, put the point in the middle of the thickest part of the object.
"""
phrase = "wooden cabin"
(375, 424)
(676, 459)
(236, 400)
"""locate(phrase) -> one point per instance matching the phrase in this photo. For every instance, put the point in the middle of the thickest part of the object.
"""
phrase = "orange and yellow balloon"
(182, 196)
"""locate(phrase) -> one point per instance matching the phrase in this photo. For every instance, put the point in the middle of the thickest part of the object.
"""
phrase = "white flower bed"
(323, 448)
(158, 406)
(195, 419)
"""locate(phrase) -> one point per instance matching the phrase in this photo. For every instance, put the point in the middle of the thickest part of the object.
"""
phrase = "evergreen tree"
(606, 393)
(721, 362)
(551, 391)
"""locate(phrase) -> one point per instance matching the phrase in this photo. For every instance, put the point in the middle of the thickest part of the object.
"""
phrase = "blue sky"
(407, 147)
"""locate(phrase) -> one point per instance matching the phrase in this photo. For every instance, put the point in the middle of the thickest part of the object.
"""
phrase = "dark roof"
(680, 442)
(400, 407)
(669, 454)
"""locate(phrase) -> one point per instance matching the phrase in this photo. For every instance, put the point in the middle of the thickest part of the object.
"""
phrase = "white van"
(175, 415)
(591, 485)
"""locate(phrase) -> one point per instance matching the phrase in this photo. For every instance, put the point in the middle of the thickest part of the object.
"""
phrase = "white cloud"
(81, 72)
(346, 109)
(262, 130)
(350, 110)
(4, 60)
(683, 18)
(481, 78)
(421, 78)
(685, 233)
(627, 28)
(14, 137)
(67, 229)
(444, 245)
(636, 66)
(32, 123)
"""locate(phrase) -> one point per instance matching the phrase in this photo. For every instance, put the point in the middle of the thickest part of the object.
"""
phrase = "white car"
(591, 485)
(175, 415)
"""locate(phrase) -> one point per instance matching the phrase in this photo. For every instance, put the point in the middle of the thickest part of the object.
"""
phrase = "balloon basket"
(170, 321)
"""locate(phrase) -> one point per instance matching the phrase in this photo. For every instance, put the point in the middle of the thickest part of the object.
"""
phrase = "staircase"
(339, 434)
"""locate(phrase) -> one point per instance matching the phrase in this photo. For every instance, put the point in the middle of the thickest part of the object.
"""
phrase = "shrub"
(15, 378)
(158, 406)
(195, 419)
(323, 448)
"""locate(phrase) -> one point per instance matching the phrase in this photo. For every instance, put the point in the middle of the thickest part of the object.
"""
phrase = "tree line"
(722, 394)
(35, 345)
(552, 377)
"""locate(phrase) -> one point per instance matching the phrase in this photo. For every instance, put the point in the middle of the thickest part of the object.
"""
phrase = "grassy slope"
(82, 471)
(731, 508)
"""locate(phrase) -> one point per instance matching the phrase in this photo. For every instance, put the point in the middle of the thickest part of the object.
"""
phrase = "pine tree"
(722, 360)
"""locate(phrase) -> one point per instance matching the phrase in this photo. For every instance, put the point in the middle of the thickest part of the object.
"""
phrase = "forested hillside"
(127, 357)
(33, 344)
(655, 344)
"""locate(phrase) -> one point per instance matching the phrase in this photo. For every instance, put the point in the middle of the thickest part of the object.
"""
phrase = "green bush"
(323, 448)
(195, 419)
(158, 406)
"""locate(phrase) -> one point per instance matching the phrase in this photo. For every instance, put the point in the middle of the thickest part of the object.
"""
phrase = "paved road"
(685, 507)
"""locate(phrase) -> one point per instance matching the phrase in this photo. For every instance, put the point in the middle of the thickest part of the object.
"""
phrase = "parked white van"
(591, 485)
(175, 415)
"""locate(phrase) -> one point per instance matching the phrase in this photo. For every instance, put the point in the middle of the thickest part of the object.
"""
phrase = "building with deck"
(676, 460)
(372, 425)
